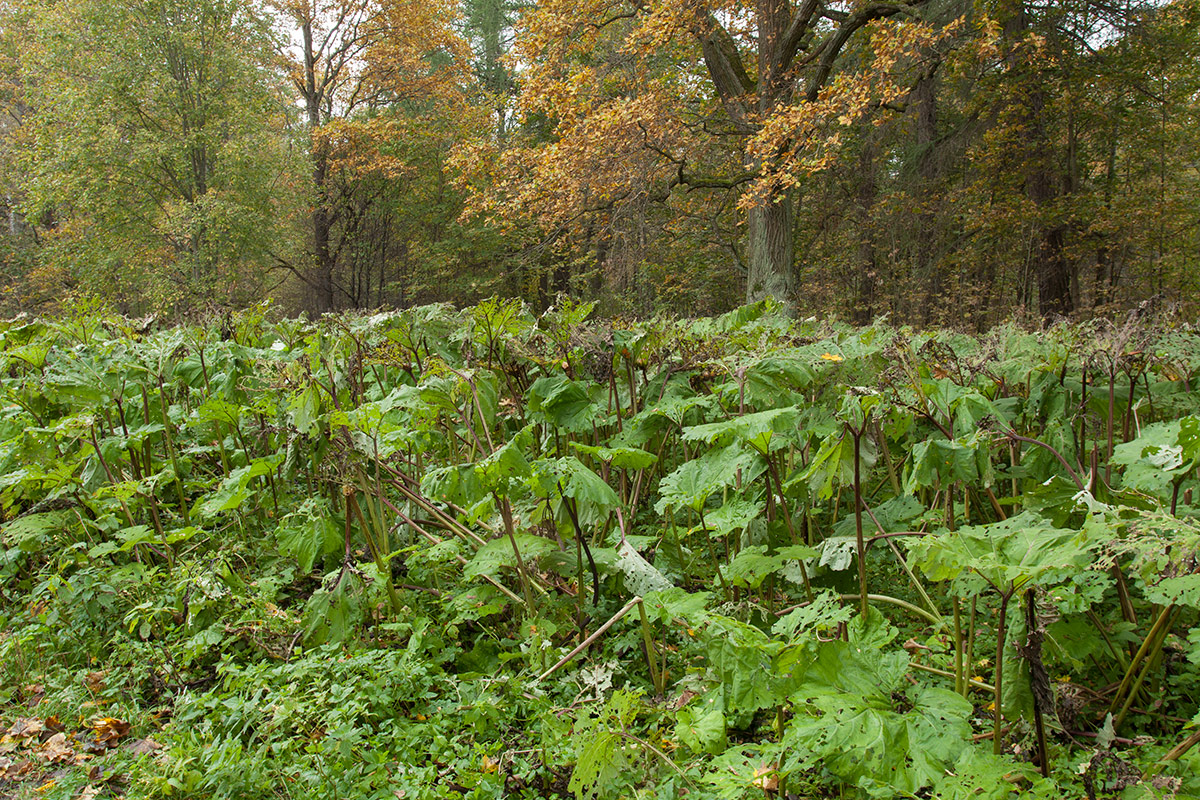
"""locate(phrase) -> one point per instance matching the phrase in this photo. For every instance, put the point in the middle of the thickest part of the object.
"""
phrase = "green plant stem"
(169, 443)
(658, 753)
(523, 574)
(998, 717)
(883, 598)
(648, 641)
(865, 602)
(1117, 652)
(969, 660)
(429, 537)
(1038, 723)
(581, 544)
(959, 669)
(903, 563)
(885, 451)
(1136, 661)
(773, 471)
(381, 565)
(1150, 648)
(712, 552)
(971, 682)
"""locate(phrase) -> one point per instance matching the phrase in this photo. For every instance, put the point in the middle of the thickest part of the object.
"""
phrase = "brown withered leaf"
(143, 747)
(57, 749)
(109, 730)
(93, 748)
(683, 699)
(95, 681)
(89, 793)
(53, 724)
(24, 727)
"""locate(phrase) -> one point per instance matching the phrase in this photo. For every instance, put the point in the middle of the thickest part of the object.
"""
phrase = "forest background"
(943, 162)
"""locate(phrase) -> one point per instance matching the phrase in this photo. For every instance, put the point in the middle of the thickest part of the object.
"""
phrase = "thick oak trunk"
(771, 251)
(322, 280)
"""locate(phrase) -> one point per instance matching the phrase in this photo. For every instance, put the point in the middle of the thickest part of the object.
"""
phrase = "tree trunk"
(771, 251)
(322, 279)
(923, 100)
(1054, 275)
(322, 283)
(868, 193)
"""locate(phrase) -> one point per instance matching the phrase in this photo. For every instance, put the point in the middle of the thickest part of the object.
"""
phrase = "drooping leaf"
(1007, 556)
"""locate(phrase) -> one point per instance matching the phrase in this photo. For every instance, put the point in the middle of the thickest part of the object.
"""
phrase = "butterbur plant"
(379, 555)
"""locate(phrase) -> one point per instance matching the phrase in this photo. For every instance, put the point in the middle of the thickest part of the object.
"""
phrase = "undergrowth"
(478, 553)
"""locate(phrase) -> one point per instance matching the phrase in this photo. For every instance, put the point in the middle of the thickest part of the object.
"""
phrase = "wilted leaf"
(23, 728)
(109, 730)
(57, 749)
(142, 747)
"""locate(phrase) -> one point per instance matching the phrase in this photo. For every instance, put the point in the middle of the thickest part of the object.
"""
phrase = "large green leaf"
(763, 431)
(1006, 556)
(498, 554)
(694, 481)
(621, 457)
(563, 403)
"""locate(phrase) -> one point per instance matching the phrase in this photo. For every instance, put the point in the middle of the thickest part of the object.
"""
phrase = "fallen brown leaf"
(57, 749)
(142, 747)
(108, 730)
(25, 727)
(94, 748)
(683, 699)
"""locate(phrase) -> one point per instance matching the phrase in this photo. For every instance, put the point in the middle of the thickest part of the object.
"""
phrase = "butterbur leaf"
(498, 553)
(620, 457)
(310, 539)
(32, 532)
(456, 483)
(235, 488)
(1007, 556)
(855, 719)
(505, 467)
(701, 723)
(669, 604)
(563, 403)
(825, 613)
(939, 462)
(834, 461)
(668, 413)
(1179, 590)
(594, 499)
(742, 657)
(694, 481)
(759, 430)
(776, 377)
(332, 613)
(750, 567)
(641, 577)
(977, 774)
(733, 515)
(838, 552)
(601, 762)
